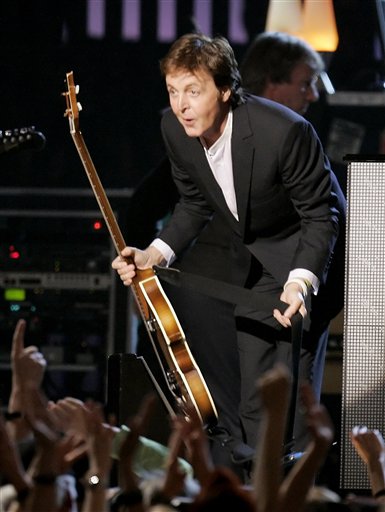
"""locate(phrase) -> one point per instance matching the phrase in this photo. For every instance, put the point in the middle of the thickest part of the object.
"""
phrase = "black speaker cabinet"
(363, 385)
(129, 379)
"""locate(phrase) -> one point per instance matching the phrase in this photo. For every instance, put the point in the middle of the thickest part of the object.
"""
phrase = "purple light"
(166, 20)
(237, 31)
(203, 14)
(131, 29)
(96, 18)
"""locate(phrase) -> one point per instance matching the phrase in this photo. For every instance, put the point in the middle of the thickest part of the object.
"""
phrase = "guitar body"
(182, 374)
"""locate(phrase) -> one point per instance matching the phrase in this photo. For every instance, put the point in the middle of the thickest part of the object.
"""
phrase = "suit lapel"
(243, 157)
(208, 183)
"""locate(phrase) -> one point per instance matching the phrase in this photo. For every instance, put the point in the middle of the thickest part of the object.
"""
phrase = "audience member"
(274, 491)
(286, 69)
(370, 446)
(28, 366)
(15, 483)
(70, 429)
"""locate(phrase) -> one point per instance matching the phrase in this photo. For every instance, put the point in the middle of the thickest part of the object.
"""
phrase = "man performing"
(261, 168)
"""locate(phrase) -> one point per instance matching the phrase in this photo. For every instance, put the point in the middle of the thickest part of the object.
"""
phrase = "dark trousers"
(262, 342)
(209, 327)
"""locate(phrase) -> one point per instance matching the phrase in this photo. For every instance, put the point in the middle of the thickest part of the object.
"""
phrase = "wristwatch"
(94, 481)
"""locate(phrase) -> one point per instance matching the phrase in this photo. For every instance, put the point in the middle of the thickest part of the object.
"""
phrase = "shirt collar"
(224, 138)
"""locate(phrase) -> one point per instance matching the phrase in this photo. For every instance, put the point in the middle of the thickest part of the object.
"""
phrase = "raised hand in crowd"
(220, 487)
(223, 490)
(274, 388)
(71, 414)
(370, 446)
(130, 494)
(99, 447)
(197, 444)
(172, 484)
(11, 468)
(53, 487)
(28, 368)
(300, 479)
(274, 491)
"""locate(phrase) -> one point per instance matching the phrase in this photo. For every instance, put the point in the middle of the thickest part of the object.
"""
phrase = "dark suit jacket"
(287, 215)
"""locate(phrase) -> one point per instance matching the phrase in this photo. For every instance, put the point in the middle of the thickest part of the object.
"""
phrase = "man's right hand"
(132, 258)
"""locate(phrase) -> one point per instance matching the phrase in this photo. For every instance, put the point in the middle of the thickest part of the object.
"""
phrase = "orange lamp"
(319, 26)
(312, 20)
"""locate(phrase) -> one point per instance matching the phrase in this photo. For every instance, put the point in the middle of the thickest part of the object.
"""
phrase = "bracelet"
(45, 479)
(126, 498)
(10, 416)
(379, 493)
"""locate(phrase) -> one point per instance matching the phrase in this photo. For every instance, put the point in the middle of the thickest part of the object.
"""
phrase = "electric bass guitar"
(183, 377)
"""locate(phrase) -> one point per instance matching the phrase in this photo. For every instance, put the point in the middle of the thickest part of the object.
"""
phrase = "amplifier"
(363, 389)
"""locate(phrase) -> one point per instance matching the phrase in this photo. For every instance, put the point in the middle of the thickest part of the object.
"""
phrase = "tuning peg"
(79, 106)
(77, 89)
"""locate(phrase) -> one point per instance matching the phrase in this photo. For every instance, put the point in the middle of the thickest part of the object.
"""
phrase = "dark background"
(122, 95)
(121, 90)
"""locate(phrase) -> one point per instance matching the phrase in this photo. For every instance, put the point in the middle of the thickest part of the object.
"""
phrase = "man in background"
(282, 68)
(286, 69)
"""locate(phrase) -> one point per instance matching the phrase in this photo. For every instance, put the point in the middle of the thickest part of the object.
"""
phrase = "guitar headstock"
(73, 107)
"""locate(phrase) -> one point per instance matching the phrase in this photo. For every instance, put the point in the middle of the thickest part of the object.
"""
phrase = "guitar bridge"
(151, 324)
(173, 384)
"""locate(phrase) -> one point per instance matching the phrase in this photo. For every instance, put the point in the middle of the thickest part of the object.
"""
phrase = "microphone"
(21, 138)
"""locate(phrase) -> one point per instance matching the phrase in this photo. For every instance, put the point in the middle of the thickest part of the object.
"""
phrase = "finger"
(308, 398)
(282, 319)
(127, 251)
(76, 453)
(126, 274)
(31, 349)
(175, 446)
(146, 410)
(139, 423)
(121, 262)
(359, 429)
(127, 282)
(38, 357)
(18, 337)
(303, 311)
(292, 310)
(73, 401)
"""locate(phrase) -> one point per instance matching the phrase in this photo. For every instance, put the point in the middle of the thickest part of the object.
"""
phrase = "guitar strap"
(242, 296)
(218, 289)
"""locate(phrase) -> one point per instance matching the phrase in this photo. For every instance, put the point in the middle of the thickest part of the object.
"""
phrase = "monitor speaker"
(363, 382)
(129, 379)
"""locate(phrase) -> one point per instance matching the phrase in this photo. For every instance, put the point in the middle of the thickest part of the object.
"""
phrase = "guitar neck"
(108, 215)
(99, 192)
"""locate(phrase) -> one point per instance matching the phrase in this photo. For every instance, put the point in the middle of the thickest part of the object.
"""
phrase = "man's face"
(299, 92)
(198, 104)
